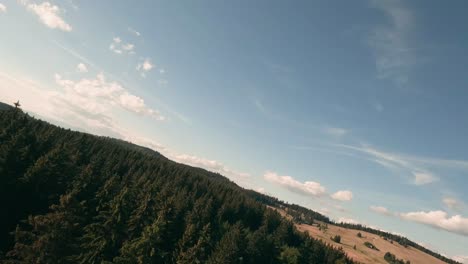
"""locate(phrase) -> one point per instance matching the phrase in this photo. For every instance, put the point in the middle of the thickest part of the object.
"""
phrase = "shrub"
(336, 238)
(370, 245)
(392, 259)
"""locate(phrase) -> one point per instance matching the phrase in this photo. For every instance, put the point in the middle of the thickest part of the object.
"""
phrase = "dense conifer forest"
(71, 197)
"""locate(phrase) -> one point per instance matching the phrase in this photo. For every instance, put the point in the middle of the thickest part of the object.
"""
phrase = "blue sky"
(356, 109)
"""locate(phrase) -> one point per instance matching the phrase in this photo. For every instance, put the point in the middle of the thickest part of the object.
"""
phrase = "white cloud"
(461, 259)
(133, 31)
(390, 43)
(162, 71)
(336, 131)
(88, 91)
(324, 211)
(347, 220)
(49, 15)
(89, 105)
(145, 66)
(211, 165)
(81, 67)
(453, 203)
(128, 47)
(342, 196)
(259, 105)
(163, 82)
(421, 178)
(306, 188)
(380, 210)
(119, 47)
(439, 219)
(3, 8)
(260, 190)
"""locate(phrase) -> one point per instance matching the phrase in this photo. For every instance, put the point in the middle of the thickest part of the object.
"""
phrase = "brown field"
(364, 254)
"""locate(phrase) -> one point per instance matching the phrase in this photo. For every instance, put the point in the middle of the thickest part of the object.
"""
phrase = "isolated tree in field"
(336, 238)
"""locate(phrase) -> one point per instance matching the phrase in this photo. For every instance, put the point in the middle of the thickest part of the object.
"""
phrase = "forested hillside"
(71, 197)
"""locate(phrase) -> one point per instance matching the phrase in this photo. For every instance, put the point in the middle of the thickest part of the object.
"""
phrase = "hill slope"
(363, 254)
(306, 220)
(71, 197)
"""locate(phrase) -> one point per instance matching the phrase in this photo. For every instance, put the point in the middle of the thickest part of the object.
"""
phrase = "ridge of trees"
(71, 197)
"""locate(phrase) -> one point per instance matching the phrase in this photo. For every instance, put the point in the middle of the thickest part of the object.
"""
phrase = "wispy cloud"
(144, 66)
(390, 43)
(134, 32)
(49, 15)
(380, 210)
(259, 105)
(3, 8)
(336, 131)
(421, 178)
(81, 67)
(453, 203)
(397, 162)
(119, 47)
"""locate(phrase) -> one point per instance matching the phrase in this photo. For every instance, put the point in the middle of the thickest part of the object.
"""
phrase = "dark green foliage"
(390, 258)
(4, 106)
(336, 238)
(370, 245)
(71, 197)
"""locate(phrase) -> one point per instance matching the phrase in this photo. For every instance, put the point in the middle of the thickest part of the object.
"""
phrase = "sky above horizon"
(355, 109)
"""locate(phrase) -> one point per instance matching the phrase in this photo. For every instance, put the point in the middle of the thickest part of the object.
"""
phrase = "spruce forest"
(71, 197)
